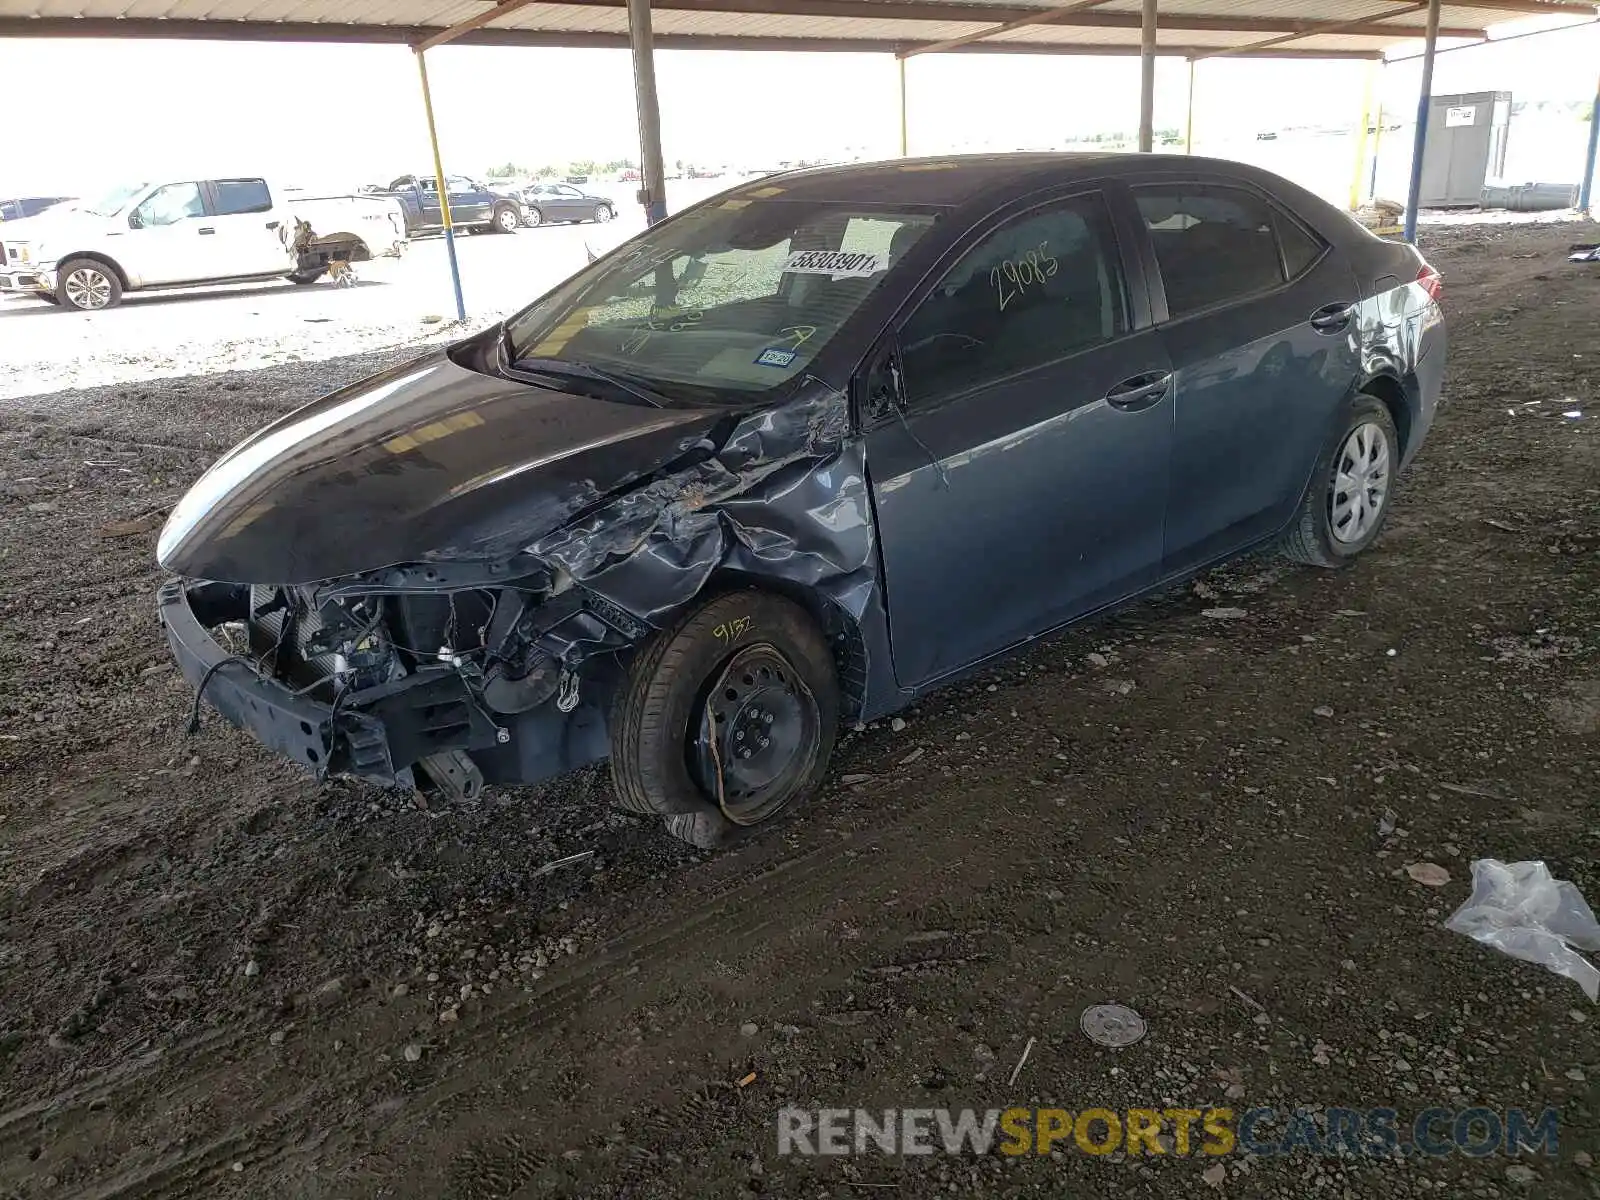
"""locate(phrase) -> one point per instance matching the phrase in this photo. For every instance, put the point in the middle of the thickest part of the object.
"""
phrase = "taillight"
(1432, 282)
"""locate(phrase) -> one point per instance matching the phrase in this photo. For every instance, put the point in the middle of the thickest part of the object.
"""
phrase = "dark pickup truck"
(472, 205)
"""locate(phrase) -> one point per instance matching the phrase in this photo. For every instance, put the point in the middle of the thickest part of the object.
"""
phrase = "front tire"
(87, 285)
(1351, 488)
(308, 276)
(534, 219)
(506, 219)
(603, 213)
(727, 719)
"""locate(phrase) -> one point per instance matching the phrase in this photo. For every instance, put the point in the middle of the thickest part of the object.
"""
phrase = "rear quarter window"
(236, 196)
(1214, 245)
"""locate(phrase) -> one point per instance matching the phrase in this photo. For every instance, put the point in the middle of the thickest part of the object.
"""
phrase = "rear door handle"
(206, 230)
(1140, 391)
(1333, 318)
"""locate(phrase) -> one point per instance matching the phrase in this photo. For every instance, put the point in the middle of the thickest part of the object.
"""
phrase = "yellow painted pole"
(905, 124)
(1361, 136)
(1188, 119)
(444, 192)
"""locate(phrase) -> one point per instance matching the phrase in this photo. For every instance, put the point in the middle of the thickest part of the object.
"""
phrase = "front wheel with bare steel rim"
(1351, 489)
(727, 719)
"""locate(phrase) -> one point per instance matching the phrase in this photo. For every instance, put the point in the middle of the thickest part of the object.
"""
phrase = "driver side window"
(169, 204)
(1042, 286)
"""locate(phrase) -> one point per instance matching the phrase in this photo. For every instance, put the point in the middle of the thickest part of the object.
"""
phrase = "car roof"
(955, 180)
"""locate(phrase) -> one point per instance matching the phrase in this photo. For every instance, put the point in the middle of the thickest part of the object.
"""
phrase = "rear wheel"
(727, 719)
(1348, 500)
(87, 285)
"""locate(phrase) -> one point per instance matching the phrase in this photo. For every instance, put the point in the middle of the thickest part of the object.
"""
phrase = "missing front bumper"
(376, 733)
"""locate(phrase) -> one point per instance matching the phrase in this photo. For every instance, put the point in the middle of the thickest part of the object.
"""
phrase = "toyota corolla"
(794, 458)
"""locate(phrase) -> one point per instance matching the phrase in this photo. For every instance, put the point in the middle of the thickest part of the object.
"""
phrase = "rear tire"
(1351, 489)
(87, 285)
(775, 717)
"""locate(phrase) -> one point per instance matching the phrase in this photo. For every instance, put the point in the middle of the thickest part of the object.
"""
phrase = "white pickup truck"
(87, 254)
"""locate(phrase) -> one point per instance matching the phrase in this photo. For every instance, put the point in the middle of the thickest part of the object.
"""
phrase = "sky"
(340, 116)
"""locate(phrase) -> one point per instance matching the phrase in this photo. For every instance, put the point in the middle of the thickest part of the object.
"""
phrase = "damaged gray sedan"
(796, 457)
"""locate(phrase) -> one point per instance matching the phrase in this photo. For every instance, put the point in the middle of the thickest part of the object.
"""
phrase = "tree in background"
(509, 170)
(583, 166)
(548, 172)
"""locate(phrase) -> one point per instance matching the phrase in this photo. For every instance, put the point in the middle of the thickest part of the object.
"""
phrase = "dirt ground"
(219, 977)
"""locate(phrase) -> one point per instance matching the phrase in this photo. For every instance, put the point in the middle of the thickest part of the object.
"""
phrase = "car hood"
(429, 461)
(52, 223)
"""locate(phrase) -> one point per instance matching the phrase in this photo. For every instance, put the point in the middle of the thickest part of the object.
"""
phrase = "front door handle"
(1333, 318)
(206, 230)
(1140, 391)
(272, 224)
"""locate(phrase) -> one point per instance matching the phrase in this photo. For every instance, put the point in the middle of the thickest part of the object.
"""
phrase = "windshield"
(110, 204)
(735, 297)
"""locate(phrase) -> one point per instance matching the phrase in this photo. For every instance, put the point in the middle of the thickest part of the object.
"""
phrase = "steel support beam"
(1319, 27)
(487, 17)
(905, 122)
(327, 33)
(1419, 146)
(1357, 173)
(1147, 77)
(652, 168)
(1188, 116)
(1042, 17)
(444, 192)
(1585, 189)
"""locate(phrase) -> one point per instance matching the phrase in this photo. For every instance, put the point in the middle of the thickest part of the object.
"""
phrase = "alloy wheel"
(1360, 484)
(88, 288)
(602, 214)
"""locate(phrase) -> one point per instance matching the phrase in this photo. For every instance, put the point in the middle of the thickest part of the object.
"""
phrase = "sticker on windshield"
(836, 263)
(775, 356)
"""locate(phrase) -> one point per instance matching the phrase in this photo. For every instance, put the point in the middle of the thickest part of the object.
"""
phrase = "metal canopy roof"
(1190, 28)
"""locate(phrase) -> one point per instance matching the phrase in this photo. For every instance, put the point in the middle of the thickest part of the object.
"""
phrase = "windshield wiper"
(634, 385)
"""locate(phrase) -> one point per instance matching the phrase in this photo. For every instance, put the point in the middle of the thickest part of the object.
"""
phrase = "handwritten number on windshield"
(1021, 273)
(673, 320)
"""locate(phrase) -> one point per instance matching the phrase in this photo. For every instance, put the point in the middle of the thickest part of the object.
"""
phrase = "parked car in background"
(628, 175)
(473, 205)
(551, 202)
(22, 207)
(794, 461)
(178, 234)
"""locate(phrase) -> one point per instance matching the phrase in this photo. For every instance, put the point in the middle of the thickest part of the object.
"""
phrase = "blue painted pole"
(1420, 145)
(444, 192)
(1585, 190)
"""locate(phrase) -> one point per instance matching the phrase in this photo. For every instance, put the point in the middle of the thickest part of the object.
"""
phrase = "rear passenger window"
(1037, 289)
(1214, 245)
(241, 196)
(1300, 249)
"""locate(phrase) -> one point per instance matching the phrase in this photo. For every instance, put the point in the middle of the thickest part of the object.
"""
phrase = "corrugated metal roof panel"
(1113, 24)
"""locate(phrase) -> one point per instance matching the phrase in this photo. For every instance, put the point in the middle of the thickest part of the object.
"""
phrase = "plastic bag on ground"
(1521, 909)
